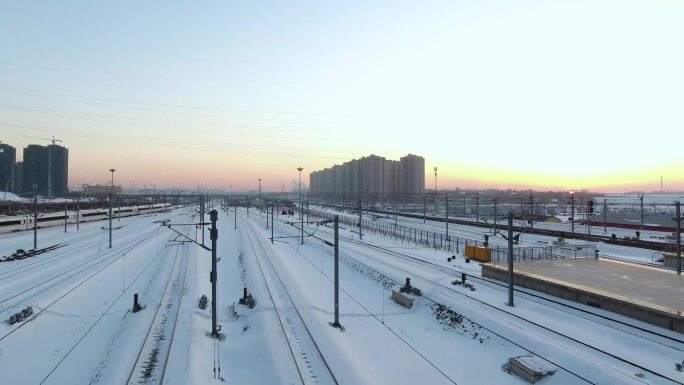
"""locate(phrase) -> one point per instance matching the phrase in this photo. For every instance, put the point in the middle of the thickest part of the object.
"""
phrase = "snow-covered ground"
(83, 331)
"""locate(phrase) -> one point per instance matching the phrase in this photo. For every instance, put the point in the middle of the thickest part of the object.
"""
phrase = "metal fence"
(440, 241)
(531, 254)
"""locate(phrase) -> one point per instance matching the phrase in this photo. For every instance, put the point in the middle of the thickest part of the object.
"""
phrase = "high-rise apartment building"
(46, 169)
(370, 177)
(19, 177)
(8, 157)
(412, 174)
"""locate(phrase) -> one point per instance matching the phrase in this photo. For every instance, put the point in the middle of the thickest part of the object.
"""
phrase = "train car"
(55, 219)
(93, 215)
(15, 223)
(25, 222)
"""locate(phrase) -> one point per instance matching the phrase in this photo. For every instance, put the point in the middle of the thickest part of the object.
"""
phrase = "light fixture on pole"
(435, 178)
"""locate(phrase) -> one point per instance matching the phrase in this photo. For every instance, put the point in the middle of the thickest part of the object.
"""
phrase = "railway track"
(98, 266)
(501, 243)
(529, 294)
(308, 358)
(31, 264)
(107, 311)
(153, 355)
(644, 244)
(674, 343)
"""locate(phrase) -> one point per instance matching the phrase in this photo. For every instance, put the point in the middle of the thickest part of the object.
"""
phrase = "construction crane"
(53, 140)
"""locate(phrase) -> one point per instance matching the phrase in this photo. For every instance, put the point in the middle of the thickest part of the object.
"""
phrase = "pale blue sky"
(530, 93)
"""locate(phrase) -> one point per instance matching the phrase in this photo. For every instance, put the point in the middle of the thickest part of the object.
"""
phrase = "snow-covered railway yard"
(83, 330)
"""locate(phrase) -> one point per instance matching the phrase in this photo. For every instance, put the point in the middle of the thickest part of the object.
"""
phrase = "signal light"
(591, 207)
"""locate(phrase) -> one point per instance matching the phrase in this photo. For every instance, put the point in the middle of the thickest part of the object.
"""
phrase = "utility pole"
(678, 219)
(395, 216)
(510, 259)
(532, 211)
(272, 223)
(202, 216)
(110, 219)
(35, 216)
(605, 214)
(266, 206)
(572, 211)
(589, 208)
(336, 324)
(301, 218)
(496, 214)
(65, 216)
(360, 221)
(641, 204)
(446, 215)
(111, 191)
(213, 234)
(301, 208)
(49, 186)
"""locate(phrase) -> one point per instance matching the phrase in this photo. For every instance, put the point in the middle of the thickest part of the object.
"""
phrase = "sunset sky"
(525, 94)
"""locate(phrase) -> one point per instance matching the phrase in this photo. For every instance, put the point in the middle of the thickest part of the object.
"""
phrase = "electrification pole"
(605, 213)
(446, 215)
(213, 234)
(202, 216)
(111, 191)
(65, 216)
(496, 214)
(336, 324)
(678, 218)
(35, 216)
(572, 211)
(110, 219)
(301, 208)
(510, 259)
(360, 220)
(641, 204)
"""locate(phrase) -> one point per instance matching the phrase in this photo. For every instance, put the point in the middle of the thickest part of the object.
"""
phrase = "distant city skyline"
(538, 95)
